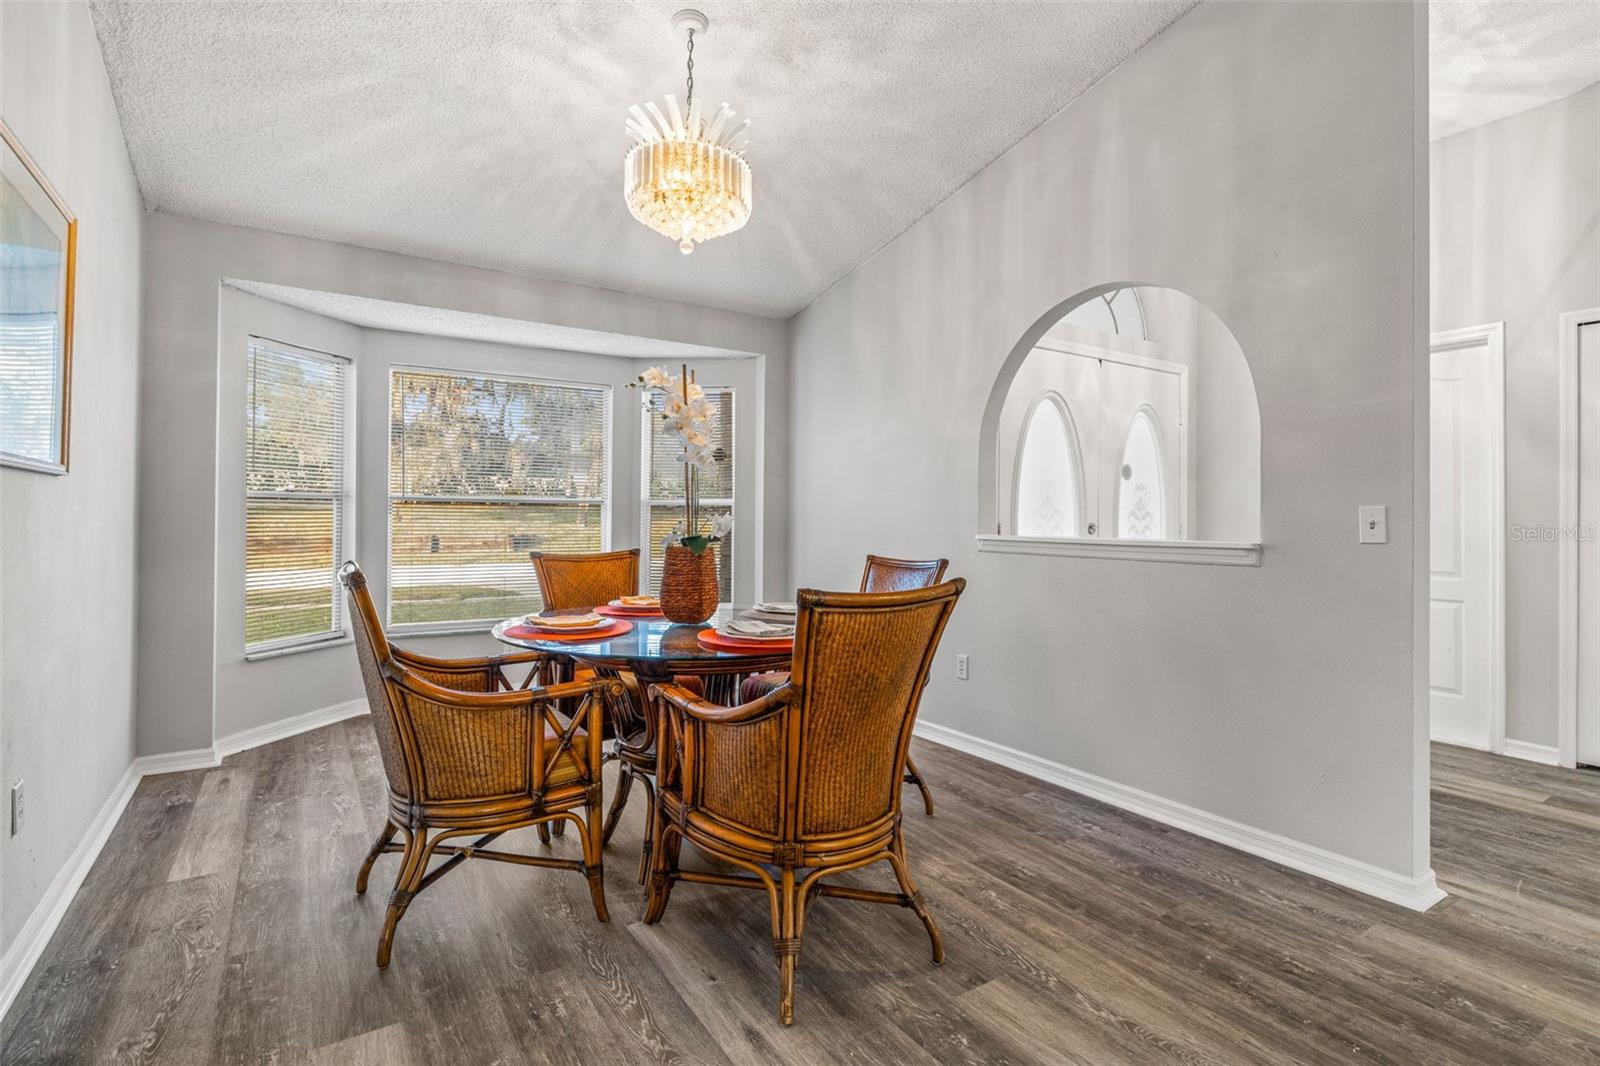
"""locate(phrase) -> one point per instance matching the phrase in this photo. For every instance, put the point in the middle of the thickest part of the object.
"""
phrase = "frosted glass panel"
(1141, 490)
(1049, 494)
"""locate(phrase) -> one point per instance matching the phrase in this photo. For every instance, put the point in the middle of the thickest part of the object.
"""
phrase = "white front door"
(1464, 513)
(1588, 545)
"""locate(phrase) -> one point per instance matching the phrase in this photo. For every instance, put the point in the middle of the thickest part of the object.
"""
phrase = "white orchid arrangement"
(690, 417)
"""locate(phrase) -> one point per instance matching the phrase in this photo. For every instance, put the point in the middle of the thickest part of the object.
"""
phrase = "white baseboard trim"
(174, 762)
(288, 727)
(1418, 894)
(1459, 740)
(19, 959)
(35, 934)
(1540, 753)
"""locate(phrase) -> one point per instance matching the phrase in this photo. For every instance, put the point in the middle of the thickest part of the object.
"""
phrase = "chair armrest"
(714, 713)
(413, 682)
(491, 669)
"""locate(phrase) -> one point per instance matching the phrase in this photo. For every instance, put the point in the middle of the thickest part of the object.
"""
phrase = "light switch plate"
(1374, 527)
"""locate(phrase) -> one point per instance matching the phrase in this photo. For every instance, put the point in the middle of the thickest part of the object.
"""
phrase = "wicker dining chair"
(469, 755)
(882, 574)
(803, 782)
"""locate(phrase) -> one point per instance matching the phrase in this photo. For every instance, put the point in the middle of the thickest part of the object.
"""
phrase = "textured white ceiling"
(1489, 60)
(466, 325)
(492, 134)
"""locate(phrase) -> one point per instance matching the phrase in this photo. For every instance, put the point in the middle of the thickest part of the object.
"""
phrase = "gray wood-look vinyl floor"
(220, 925)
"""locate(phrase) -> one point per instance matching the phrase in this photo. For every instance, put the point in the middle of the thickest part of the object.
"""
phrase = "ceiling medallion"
(686, 176)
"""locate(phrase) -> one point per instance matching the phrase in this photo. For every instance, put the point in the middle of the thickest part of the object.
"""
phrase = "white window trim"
(646, 501)
(1207, 552)
(347, 533)
(480, 625)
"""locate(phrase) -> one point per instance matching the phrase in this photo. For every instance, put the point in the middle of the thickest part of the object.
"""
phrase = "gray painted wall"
(1266, 159)
(1516, 239)
(185, 261)
(67, 544)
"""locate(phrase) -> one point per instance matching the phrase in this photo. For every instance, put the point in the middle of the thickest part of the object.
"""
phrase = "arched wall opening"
(1152, 429)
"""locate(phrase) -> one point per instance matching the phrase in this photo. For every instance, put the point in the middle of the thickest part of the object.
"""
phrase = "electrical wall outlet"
(16, 808)
(1374, 524)
(961, 667)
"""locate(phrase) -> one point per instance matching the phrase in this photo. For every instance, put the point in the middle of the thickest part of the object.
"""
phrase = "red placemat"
(712, 639)
(629, 612)
(615, 629)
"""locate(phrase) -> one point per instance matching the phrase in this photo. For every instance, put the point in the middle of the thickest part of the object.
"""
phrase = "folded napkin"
(769, 607)
(752, 627)
(636, 601)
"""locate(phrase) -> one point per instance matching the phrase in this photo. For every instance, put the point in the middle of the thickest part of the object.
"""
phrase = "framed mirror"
(38, 264)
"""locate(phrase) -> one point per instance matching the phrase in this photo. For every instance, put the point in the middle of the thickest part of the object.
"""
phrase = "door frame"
(1567, 545)
(1491, 337)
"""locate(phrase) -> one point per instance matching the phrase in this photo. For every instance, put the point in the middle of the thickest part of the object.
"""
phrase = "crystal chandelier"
(686, 176)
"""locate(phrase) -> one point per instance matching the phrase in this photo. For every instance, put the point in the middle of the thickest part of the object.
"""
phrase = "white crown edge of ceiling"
(396, 316)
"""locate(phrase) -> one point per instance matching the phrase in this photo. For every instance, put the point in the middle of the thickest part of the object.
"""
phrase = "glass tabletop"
(654, 642)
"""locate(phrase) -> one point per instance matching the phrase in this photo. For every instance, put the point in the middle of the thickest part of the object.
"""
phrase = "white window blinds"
(483, 470)
(662, 478)
(296, 493)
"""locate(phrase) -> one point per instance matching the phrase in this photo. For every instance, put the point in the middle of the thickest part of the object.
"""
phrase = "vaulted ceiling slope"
(1490, 59)
(492, 134)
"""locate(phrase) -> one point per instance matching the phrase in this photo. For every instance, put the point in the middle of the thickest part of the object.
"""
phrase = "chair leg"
(413, 865)
(902, 873)
(650, 816)
(594, 859)
(664, 851)
(914, 777)
(619, 800)
(389, 830)
(786, 943)
(543, 829)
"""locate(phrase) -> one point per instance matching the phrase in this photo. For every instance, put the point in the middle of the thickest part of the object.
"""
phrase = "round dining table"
(655, 649)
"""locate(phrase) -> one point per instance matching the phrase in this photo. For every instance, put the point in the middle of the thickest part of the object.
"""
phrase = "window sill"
(296, 649)
(1197, 552)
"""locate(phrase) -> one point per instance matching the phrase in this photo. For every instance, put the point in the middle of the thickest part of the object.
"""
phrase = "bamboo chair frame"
(721, 769)
(467, 754)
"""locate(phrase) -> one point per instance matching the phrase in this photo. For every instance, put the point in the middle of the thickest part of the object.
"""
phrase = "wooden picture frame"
(38, 279)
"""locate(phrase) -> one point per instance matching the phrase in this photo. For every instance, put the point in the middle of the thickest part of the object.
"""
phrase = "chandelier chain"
(690, 102)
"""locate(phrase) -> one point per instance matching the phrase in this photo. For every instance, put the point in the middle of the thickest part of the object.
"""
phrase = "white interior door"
(1588, 545)
(1465, 430)
(1142, 482)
